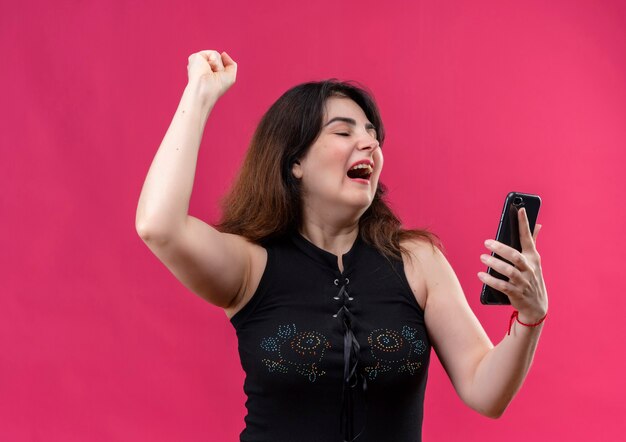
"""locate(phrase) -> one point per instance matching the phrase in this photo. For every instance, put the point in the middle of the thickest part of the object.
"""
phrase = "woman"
(335, 306)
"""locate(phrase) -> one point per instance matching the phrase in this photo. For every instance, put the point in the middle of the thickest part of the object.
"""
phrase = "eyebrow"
(350, 121)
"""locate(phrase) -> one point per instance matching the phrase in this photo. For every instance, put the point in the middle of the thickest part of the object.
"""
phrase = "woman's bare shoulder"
(258, 260)
(419, 257)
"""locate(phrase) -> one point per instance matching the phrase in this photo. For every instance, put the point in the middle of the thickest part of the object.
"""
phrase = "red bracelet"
(515, 316)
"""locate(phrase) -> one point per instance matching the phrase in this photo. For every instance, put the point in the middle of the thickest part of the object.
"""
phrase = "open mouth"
(363, 171)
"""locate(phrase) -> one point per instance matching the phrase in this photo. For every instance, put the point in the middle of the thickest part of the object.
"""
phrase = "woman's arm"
(502, 370)
(485, 377)
(164, 200)
(214, 265)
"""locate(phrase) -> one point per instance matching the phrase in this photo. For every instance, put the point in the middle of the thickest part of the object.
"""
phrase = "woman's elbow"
(492, 412)
(488, 403)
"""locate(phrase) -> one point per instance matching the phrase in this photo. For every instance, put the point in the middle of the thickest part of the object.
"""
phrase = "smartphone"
(508, 233)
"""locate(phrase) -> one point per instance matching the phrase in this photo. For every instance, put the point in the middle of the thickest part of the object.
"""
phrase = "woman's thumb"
(227, 60)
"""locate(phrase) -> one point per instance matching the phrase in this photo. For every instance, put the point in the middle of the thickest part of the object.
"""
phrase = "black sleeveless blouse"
(332, 356)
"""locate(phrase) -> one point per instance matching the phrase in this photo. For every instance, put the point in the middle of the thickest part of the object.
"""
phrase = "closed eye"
(343, 134)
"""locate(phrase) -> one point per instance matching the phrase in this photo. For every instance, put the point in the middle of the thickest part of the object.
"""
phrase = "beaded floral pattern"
(393, 350)
(299, 351)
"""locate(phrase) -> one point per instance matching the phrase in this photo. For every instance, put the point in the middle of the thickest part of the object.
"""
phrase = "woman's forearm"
(502, 370)
(164, 200)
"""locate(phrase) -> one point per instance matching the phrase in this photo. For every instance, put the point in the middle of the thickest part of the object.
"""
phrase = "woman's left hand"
(525, 288)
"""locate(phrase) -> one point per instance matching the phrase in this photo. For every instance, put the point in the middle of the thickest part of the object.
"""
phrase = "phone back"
(508, 233)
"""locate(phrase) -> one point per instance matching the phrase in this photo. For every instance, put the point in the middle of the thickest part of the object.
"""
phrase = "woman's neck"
(334, 239)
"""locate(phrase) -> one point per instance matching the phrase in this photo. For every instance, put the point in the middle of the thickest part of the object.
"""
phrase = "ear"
(296, 170)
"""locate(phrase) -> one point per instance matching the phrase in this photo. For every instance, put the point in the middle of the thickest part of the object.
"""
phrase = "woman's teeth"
(363, 166)
(362, 170)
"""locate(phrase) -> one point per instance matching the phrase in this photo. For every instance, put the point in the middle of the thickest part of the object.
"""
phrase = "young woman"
(336, 307)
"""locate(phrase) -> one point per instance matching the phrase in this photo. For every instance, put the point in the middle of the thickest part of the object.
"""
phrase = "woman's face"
(329, 180)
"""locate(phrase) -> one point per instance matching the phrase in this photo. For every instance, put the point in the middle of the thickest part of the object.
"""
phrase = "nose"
(369, 143)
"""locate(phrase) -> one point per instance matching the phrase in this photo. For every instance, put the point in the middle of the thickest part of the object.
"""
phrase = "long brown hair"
(265, 199)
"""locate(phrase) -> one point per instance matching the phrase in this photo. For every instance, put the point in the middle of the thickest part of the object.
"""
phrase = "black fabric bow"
(352, 379)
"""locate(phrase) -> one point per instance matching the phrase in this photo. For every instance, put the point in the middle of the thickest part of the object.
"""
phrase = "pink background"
(99, 342)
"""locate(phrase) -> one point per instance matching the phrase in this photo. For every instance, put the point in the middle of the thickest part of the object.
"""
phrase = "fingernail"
(489, 243)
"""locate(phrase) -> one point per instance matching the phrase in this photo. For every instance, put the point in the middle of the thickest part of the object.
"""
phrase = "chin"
(360, 198)
(363, 202)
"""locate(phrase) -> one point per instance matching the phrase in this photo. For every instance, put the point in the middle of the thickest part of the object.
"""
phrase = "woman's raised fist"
(214, 71)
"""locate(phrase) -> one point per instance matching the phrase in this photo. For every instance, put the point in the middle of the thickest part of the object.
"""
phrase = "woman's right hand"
(215, 72)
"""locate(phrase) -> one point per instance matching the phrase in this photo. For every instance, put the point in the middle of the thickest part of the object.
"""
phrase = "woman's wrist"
(197, 95)
(528, 323)
(531, 317)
